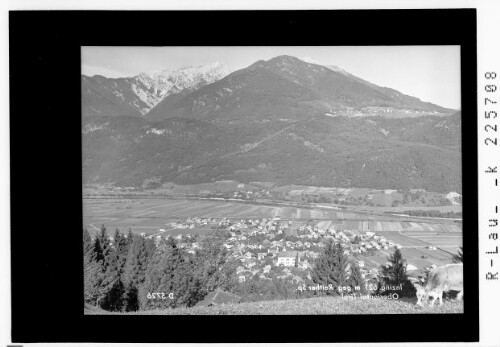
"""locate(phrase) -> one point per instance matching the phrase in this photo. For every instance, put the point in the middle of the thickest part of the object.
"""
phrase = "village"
(286, 248)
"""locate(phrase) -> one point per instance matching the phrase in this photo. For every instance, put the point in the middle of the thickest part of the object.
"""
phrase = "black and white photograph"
(212, 174)
(272, 180)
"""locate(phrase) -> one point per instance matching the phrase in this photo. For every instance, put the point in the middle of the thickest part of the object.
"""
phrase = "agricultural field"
(150, 215)
(418, 257)
(446, 241)
(153, 213)
(415, 248)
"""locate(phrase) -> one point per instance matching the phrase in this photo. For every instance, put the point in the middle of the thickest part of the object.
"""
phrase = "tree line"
(434, 213)
(121, 273)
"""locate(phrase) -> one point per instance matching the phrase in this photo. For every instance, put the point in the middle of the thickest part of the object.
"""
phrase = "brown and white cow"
(442, 279)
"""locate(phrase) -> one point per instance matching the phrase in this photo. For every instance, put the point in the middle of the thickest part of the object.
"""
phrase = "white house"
(411, 267)
(287, 258)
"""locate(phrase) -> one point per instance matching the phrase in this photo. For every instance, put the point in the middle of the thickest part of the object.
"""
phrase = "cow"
(442, 279)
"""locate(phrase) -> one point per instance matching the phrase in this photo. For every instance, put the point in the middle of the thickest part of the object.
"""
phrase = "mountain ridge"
(137, 95)
(314, 89)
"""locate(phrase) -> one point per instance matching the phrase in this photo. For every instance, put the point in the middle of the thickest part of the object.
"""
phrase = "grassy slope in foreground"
(320, 305)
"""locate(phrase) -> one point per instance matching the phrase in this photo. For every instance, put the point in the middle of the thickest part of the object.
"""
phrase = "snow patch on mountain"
(158, 131)
(331, 67)
(159, 84)
(91, 127)
(166, 81)
(309, 60)
(338, 69)
(119, 95)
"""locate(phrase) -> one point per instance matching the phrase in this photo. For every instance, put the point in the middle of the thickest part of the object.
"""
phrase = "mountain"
(287, 87)
(284, 121)
(136, 95)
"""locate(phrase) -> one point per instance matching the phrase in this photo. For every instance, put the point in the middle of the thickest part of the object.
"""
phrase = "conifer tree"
(169, 272)
(395, 275)
(122, 248)
(227, 279)
(102, 247)
(130, 236)
(150, 248)
(356, 278)
(208, 262)
(161, 275)
(130, 297)
(117, 237)
(189, 288)
(112, 285)
(134, 270)
(87, 242)
(93, 270)
(137, 261)
(330, 267)
(97, 252)
(93, 277)
(106, 272)
(90, 270)
(103, 237)
(115, 298)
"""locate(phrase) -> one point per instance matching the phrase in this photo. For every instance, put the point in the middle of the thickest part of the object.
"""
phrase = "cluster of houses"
(259, 244)
(265, 244)
(353, 243)
(262, 265)
(251, 195)
(239, 194)
(371, 240)
(192, 223)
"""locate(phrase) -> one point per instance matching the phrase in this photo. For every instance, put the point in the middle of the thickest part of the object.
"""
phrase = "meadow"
(320, 305)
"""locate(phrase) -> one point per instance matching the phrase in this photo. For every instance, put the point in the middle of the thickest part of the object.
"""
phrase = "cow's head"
(421, 293)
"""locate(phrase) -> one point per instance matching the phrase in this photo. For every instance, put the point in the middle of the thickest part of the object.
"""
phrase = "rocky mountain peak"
(139, 94)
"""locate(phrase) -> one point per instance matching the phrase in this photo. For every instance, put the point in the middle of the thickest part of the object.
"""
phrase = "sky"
(431, 73)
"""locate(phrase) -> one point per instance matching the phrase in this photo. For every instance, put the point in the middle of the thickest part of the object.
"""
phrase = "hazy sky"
(431, 73)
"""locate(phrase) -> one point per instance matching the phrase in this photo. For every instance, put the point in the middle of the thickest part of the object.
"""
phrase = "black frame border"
(46, 204)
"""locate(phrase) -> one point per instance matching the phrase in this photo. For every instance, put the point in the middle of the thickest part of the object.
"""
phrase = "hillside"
(320, 305)
(372, 152)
